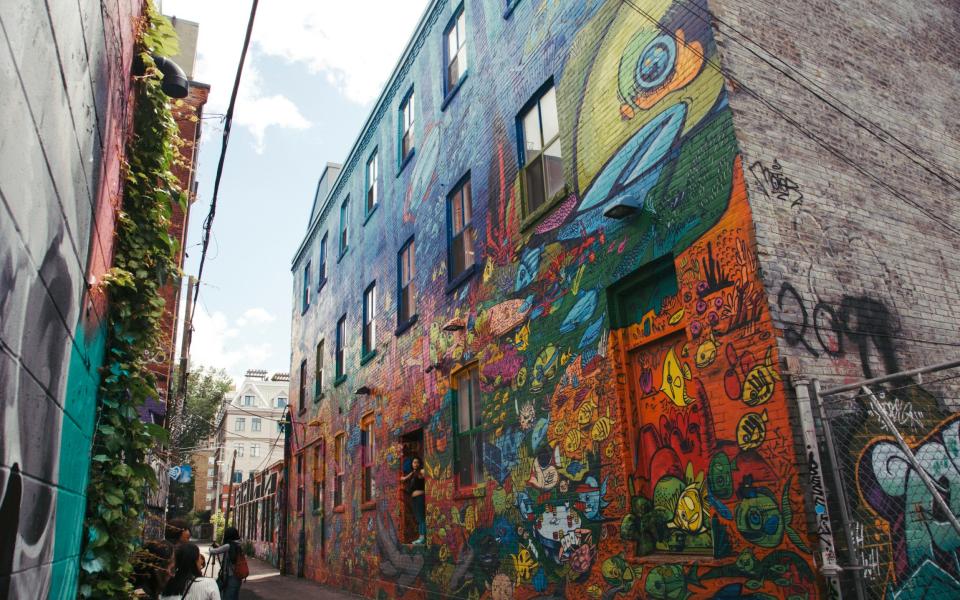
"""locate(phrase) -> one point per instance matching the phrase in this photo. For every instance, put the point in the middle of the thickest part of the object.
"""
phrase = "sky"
(314, 70)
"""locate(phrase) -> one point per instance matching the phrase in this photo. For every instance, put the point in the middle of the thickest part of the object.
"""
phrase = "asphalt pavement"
(266, 583)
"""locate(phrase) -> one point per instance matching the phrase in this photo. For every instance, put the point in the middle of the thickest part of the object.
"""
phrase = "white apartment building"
(249, 424)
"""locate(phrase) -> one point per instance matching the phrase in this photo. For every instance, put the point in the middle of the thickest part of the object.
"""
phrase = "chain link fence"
(885, 481)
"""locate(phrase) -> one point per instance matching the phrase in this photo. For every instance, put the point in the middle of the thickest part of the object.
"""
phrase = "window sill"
(322, 283)
(367, 357)
(339, 380)
(533, 218)
(370, 213)
(369, 505)
(469, 493)
(453, 91)
(342, 254)
(304, 309)
(403, 327)
(510, 6)
(462, 278)
(405, 160)
(318, 397)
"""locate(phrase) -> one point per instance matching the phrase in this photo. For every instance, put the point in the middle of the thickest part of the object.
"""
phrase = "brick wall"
(636, 438)
(65, 89)
(844, 115)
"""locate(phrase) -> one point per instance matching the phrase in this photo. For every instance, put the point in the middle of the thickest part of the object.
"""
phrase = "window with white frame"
(370, 319)
(406, 126)
(255, 424)
(460, 231)
(541, 157)
(407, 294)
(240, 424)
(456, 49)
(373, 168)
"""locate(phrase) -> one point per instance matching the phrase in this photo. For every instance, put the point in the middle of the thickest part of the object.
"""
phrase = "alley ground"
(266, 583)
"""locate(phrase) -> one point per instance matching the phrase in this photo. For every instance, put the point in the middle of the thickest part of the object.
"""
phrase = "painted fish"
(760, 382)
(752, 430)
(674, 381)
(581, 311)
(707, 352)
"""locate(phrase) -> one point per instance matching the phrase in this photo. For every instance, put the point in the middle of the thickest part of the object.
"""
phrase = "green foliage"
(219, 524)
(120, 476)
(206, 388)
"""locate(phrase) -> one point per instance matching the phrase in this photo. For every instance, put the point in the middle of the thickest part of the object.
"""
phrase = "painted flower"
(581, 558)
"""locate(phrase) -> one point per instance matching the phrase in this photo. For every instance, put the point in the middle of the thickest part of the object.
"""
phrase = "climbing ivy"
(144, 260)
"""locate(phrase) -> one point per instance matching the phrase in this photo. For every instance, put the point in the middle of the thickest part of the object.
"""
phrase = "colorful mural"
(636, 434)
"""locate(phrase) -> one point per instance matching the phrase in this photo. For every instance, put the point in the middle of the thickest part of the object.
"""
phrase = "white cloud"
(353, 44)
(256, 316)
(216, 344)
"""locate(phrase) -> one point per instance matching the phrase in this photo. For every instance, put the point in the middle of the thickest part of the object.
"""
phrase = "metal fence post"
(846, 522)
(816, 491)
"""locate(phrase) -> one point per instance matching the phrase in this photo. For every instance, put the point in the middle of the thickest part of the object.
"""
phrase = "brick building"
(583, 258)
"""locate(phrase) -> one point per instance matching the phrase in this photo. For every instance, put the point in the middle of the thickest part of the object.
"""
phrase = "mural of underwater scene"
(634, 438)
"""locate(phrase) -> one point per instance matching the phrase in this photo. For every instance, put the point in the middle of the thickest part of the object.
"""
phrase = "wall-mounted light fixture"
(363, 391)
(455, 324)
(625, 206)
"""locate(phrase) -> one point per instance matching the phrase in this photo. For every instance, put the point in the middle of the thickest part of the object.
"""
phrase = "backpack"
(241, 570)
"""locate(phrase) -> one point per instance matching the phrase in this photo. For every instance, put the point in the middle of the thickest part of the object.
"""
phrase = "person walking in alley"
(187, 582)
(414, 487)
(234, 569)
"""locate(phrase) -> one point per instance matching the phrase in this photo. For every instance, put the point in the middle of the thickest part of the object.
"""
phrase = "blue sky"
(309, 84)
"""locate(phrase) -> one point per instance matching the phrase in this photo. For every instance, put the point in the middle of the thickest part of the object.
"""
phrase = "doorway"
(412, 446)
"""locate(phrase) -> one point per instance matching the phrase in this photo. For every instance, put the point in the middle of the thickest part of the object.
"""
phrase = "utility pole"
(233, 465)
(181, 397)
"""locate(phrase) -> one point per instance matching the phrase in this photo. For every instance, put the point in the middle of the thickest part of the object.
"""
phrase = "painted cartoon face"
(581, 558)
(501, 588)
(525, 504)
(759, 519)
(544, 474)
(559, 525)
(675, 377)
(545, 367)
(591, 495)
(666, 582)
(689, 514)
(618, 572)
(527, 416)
(707, 353)
(720, 476)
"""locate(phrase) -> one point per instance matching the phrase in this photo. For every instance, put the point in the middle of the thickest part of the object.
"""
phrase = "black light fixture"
(454, 324)
(363, 391)
(623, 207)
(175, 83)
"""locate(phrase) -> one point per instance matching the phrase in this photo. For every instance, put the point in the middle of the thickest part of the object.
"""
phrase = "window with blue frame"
(318, 373)
(344, 225)
(406, 126)
(322, 270)
(468, 452)
(305, 300)
(455, 50)
(369, 319)
(461, 255)
(540, 155)
(373, 168)
(406, 293)
(341, 339)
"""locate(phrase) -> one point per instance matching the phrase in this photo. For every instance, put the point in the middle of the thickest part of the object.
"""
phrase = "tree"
(206, 388)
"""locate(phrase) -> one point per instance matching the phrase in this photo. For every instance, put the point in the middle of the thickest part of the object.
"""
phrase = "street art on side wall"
(636, 438)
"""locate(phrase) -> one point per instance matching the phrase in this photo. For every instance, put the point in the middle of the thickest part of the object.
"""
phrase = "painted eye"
(656, 64)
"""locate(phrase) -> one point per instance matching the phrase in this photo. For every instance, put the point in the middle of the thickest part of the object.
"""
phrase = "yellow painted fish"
(752, 430)
(675, 378)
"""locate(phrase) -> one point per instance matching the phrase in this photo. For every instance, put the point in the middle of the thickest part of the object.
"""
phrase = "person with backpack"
(234, 567)
(187, 582)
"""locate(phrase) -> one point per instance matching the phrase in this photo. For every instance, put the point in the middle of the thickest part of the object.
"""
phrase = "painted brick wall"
(637, 440)
(858, 238)
(65, 89)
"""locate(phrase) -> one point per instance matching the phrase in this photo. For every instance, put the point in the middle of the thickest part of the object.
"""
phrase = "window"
(469, 444)
(338, 470)
(209, 485)
(237, 476)
(406, 296)
(210, 472)
(210, 460)
(373, 166)
(300, 483)
(281, 402)
(254, 450)
(322, 269)
(303, 384)
(341, 339)
(540, 155)
(248, 400)
(456, 50)
(240, 424)
(367, 452)
(318, 374)
(370, 319)
(239, 449)
(305, 303)
(318, 476)
(255, 424)
(406, 127)
(344, 225)
(460, 230)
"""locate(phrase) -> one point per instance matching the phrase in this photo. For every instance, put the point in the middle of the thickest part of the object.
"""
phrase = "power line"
(227, 123)
(798, 126)
(820, 92)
